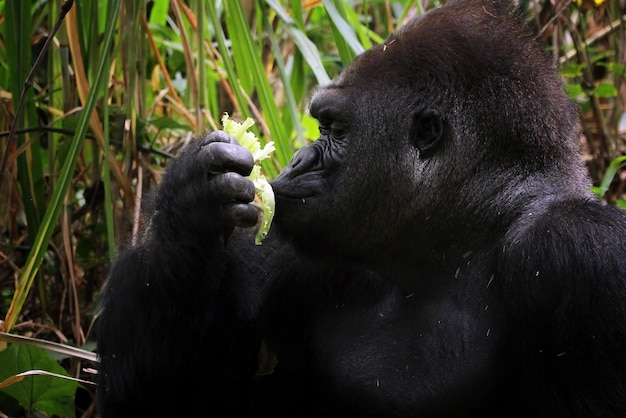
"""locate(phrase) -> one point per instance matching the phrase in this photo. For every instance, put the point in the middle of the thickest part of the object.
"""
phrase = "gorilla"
(437, 252)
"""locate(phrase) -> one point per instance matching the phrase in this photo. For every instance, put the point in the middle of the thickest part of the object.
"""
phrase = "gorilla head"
(439, 137)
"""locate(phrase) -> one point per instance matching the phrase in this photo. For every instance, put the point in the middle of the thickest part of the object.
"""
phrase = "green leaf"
(48, 394)
(572, 70)
(158, 14)
(617, 69)
(574, 91)
(605, 90)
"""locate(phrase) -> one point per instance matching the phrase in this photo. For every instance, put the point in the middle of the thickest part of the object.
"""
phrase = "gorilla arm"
(187, 294)
(561, 268)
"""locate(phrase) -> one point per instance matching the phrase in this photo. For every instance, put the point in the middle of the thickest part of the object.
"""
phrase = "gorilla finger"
(221, 157)
(193, 147)
(244, 215)
(219, 136)
(231, 186)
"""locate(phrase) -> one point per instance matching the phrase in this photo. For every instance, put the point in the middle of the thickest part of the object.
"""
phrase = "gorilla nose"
(305, 159)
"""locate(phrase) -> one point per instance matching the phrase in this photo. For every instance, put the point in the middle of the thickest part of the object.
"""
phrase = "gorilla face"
(361, 180)
(347, 174)
(432, 139)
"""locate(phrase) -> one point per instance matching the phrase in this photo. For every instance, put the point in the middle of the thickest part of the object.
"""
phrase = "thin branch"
(593, 38)
(43, 129)
(143, 148)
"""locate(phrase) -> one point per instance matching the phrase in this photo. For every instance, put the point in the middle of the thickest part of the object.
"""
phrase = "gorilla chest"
(397, 358)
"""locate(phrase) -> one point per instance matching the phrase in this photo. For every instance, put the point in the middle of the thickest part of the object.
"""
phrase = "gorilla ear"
(427, 129)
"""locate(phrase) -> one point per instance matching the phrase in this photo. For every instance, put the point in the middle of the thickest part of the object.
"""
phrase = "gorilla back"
(436, 252)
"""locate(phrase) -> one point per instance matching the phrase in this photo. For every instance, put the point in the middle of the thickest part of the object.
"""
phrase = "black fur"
(436, 252)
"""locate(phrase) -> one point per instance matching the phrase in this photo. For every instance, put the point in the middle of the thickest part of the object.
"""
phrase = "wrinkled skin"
(436, 252)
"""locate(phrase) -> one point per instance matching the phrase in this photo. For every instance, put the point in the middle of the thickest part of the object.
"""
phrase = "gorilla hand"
(204, 193)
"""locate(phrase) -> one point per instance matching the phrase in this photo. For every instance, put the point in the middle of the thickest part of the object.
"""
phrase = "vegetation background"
(100, 106)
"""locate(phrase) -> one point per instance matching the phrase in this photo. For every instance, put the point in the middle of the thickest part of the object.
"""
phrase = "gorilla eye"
(332, 130)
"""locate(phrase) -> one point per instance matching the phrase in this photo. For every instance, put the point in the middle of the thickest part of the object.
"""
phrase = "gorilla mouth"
(302, 186)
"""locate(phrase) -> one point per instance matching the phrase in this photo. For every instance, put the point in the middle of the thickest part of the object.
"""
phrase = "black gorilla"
(436, 252)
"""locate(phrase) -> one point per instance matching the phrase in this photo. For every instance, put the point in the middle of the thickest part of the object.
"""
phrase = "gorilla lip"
(301, 186)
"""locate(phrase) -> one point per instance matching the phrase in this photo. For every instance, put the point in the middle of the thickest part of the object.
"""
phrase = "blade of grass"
(82, 85)
(106, 170)
(347, 43)
(238, 99)
(292, 107)
(366, 35)
(65, 350)
(17, 32)
(202, 90)
(188, 54)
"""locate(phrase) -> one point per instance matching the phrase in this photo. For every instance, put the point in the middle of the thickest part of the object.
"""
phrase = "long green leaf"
(250, 61)
(30, 172)
(202, 90)
(29, 163)
(345, 38)
(292, 106)
(227, 62)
